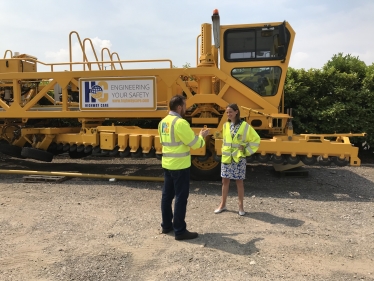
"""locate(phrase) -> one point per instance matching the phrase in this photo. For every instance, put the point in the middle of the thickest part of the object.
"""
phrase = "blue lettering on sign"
(87, 92)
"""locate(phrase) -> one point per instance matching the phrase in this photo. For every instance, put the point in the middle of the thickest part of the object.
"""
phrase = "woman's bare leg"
(225, 191)
(240, 187)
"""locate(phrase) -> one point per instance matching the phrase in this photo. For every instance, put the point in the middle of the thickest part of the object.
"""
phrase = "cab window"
(263, 80)
(261, 43)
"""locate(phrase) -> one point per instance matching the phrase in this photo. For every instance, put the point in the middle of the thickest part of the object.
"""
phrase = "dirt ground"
(318, 227)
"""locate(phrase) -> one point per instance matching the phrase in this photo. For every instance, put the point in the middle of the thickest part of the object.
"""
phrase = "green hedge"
(339, 98)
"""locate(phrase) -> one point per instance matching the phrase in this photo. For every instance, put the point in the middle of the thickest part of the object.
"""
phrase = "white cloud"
(149, 29)
(299, 59)
(100, 47)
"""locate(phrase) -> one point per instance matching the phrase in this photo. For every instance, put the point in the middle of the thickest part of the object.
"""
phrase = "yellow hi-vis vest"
(177, 137)
(246, 136)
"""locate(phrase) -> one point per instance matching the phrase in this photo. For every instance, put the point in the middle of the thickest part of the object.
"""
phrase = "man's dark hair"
(235, 107)
(176, 101)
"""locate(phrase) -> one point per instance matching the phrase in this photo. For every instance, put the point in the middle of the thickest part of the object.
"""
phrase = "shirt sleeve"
(187, 135)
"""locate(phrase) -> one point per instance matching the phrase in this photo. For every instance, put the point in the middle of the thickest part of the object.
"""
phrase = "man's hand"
(204, 132)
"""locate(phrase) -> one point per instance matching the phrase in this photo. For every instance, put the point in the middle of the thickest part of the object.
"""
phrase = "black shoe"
(186, 235)
(166, 230)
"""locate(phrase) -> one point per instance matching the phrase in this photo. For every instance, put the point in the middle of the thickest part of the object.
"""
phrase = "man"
(177, 137)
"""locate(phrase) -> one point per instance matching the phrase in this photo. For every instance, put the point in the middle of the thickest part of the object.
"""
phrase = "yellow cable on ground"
(80, 175)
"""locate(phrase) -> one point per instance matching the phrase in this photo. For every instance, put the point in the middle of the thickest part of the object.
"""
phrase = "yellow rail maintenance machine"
(92, 109)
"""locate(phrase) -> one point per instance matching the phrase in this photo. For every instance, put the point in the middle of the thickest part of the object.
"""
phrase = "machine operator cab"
(257, 55)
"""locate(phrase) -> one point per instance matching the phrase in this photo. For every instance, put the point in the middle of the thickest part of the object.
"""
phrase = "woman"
(239, 141)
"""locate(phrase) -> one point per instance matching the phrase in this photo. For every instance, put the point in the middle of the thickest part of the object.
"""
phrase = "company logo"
(95, 92)
(165, 128)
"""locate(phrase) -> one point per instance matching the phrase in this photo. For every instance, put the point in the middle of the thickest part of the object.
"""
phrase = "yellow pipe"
(80, 175)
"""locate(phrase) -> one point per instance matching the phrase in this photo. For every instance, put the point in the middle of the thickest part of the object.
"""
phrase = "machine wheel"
(251, 158)
(125, 153)
(150, 154)
(80, 147)
(324, 161)
(138, 153)
(263, 158)
(37, 154)
(203, 158)
(114, 152)
(88, 149)
(207, 170)
(11, 150)
(66, 147)
(217, 158)
(277, 159)
(309, 160)
(55, 148)
(339, 162)
(293, 160)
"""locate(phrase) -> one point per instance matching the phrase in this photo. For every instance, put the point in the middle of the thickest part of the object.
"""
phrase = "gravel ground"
(318, 227)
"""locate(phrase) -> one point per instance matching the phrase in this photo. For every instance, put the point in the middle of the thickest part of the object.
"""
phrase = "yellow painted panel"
(147, 143)
(134, 142)
(123, 141)
(157, 145)
(107, 140)
(205, 120)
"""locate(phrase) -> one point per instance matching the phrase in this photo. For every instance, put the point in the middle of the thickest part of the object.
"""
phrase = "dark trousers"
(177, 184)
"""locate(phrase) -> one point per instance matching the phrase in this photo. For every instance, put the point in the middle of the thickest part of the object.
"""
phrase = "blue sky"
(149, 29)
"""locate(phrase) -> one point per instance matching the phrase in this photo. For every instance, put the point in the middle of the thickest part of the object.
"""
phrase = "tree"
(337, 98)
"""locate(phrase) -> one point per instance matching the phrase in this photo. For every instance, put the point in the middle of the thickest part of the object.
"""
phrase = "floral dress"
(234, 171)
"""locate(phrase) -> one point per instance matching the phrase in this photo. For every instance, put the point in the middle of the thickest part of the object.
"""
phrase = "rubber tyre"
(88, 149)
(263, 158)
(277, 159)
(55, 148)
(251, 159)
(217, 158)
(11, 150)
(114, 152)
(324, 161)
(73, 147)
(203, 158)
(37, 154)
(138, 153)
(150, 154)
(80, 148)
(125, 153)
(339, 162)
(211, 173)
(293, 160)
(309, 160)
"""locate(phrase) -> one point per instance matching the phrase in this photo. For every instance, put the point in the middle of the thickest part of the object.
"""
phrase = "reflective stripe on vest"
(230, 154)
(248, 147)
(182, 154)
(194, 141)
